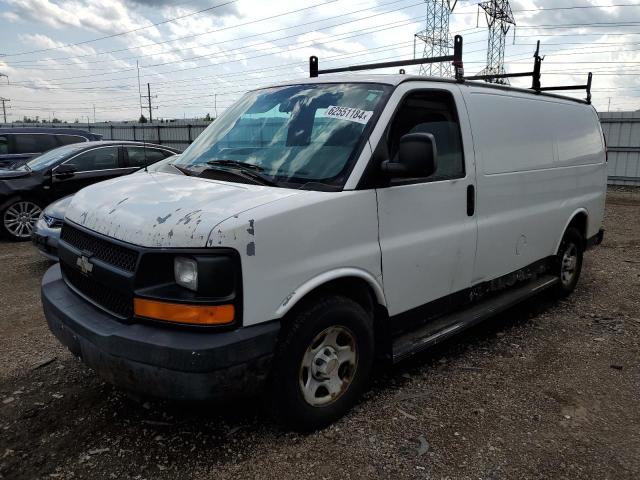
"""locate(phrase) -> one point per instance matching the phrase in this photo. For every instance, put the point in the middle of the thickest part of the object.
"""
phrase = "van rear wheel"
(569, 262)
(322, 363)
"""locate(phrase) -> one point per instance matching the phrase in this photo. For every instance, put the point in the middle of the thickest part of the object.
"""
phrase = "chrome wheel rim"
(20, 218)
(328, 366)
(569, 264)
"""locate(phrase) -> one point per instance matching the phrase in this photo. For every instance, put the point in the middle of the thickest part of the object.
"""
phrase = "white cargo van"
(319, 225)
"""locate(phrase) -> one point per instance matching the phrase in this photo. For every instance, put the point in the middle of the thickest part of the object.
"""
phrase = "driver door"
(427, 230)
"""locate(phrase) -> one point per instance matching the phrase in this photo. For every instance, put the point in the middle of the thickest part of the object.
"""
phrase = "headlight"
(186, 272)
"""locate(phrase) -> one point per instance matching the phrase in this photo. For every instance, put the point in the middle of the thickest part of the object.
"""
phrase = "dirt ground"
(547, 390)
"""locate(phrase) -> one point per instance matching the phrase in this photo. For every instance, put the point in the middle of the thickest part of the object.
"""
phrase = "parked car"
(321, 224)
(19, 144)
(26, 188)
(46, 232)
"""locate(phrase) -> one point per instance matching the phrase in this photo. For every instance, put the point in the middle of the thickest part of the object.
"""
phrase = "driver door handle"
(471, 200)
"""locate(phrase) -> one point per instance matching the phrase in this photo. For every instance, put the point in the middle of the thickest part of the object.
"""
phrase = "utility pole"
(94, 113)
(4, 107)
(148, 98)
(499, 19)
(139, 89)
(435, 39)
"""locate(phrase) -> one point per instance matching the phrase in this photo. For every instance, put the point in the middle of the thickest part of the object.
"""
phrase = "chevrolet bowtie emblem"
(84, 264)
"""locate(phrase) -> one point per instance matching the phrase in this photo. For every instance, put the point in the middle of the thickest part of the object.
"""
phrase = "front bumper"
(46, 239)
(156, 360)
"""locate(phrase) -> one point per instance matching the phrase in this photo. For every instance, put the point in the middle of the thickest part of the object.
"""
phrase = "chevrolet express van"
(319, 225)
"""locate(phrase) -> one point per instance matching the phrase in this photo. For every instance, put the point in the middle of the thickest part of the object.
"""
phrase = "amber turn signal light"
(184, 313)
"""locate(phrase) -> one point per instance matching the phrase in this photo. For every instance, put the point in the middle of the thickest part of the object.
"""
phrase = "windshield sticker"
(347, 113)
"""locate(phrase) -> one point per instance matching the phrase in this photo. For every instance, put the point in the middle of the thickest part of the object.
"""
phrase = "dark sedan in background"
(46, 232)
(25, 189)
(19, 144)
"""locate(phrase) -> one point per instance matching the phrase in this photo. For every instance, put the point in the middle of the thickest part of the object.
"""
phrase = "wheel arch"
(351, 282)
(578, 219)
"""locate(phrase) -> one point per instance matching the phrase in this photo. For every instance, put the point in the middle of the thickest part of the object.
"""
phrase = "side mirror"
(417, 157)
(65, 171)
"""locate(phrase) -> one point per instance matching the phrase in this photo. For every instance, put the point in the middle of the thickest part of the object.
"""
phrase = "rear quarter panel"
(540, 161)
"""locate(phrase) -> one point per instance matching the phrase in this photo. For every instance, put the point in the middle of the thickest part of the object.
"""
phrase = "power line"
(54, 81)
(219, 42)
(170, 20)
(251, 47)
(549, 9)
(193, 35)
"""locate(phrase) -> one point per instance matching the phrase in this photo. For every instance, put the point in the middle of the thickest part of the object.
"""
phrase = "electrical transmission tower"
(499, 18)
(435, 40)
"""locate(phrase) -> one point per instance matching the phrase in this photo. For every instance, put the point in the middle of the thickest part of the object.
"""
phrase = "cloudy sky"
(65, 57)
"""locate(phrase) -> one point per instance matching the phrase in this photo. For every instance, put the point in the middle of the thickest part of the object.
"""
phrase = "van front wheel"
(569, 262)
(322, 363)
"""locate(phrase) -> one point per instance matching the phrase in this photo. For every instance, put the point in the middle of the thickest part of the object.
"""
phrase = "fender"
(573, 215)
(294, 297)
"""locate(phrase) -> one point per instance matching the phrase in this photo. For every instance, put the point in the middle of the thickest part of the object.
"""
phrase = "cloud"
(226, 8)
(104, 16)
(230, 49)
(10, 16)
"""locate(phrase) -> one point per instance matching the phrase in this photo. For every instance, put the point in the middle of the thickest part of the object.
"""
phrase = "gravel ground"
(547, 390)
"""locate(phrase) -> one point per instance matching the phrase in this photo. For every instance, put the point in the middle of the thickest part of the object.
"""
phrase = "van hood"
(165, 210)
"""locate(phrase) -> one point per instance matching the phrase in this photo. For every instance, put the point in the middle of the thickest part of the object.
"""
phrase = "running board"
(427, 335)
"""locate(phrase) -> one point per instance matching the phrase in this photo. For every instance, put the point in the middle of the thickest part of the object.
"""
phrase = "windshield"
(296, 134)
(50, 158)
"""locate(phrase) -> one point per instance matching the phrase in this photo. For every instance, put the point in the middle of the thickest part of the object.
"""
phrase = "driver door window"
(4, 145)
(97, 159)
(434, 113)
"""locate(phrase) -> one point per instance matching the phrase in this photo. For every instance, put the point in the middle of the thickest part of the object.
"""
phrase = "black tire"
(571, 246)
(8, 213)
(286, 398)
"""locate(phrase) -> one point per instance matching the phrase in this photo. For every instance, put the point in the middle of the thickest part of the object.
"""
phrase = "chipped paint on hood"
(165, 210)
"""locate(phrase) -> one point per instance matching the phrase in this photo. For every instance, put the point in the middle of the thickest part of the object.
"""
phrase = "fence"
(621, 129)
(173, 134)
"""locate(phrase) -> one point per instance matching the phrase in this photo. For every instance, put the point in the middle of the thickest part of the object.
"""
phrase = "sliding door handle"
(471, 200)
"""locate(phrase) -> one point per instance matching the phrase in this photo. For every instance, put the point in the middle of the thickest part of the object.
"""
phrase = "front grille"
(121, 257)
(102, 295)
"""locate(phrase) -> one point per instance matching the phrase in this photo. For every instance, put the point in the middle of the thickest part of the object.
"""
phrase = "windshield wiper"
(186, 171)
(236, 163)
(242, 169)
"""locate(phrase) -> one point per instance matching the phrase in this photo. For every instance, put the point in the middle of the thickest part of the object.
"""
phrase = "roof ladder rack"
(586, 87)
(456, 59)
(535, 74)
